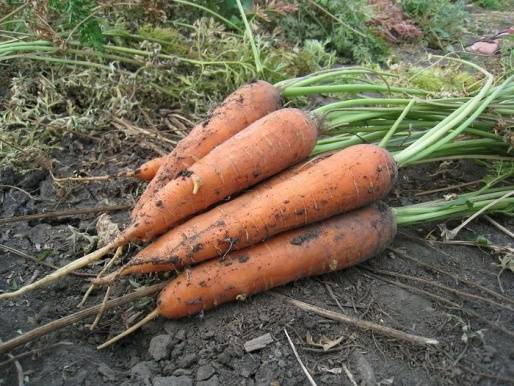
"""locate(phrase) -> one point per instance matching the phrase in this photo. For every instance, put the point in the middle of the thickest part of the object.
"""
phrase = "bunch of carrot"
(292, 218)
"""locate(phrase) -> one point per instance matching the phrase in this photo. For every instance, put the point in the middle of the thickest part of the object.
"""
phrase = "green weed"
(441, 21)
(496, 5)
(188, 68)
(442, 79)
(341, 25)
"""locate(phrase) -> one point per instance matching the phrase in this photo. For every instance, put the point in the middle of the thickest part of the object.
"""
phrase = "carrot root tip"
(148, 318)
(197, 183)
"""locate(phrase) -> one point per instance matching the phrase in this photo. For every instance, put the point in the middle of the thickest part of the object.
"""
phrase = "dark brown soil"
(208, 349)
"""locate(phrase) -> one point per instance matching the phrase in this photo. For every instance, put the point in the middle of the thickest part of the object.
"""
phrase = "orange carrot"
(240, 109)
(263, 149)
(148, 170)
(242, 161)
(349, 179)
(328, 246)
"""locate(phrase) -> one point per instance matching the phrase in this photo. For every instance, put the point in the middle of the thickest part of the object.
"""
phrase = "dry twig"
(37, 261)
(77, 316)
(499, 226)
(64, 213)
(450, 234)
(34, 352)
(307, 374)
(441, 286)
(455, 277)
(445, 301)
(349, 375)
(363, 324)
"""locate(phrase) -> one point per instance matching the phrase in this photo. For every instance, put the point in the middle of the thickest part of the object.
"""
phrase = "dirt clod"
(160, 347)
(204, 372)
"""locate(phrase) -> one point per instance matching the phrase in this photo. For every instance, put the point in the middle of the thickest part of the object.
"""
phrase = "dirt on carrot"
(351, 178)
(241, 108)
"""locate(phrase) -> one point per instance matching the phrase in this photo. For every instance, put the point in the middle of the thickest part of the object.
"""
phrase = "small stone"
(187, 360)
(212, 381)
(108, 373)
(160, 346)
(173, 381)
(143, 372)
(204, 372)
(180, 335)
(41, 234)
(183, 372)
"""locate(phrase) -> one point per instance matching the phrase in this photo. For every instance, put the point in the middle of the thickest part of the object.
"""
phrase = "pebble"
(143, 372)
(173, 381)
(180, 335)
(160, 346)
(204, 372)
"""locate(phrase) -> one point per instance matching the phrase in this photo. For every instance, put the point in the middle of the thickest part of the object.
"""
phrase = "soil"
(208, 349)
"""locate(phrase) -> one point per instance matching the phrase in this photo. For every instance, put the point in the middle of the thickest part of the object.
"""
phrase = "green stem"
(463, 205)
(13, 12)
(434, 146)
(354, 140)
(256, 56)
(446, 124)
(394, 127)
(291, 92)
(210, 11)
(57, 60)
(464, 156)
(330, 74)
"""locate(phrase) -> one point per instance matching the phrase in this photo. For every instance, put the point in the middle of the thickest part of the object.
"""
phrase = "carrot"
(240, 162)
(148, 170)
(328, 246)
(241, 108)
(349, 179)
